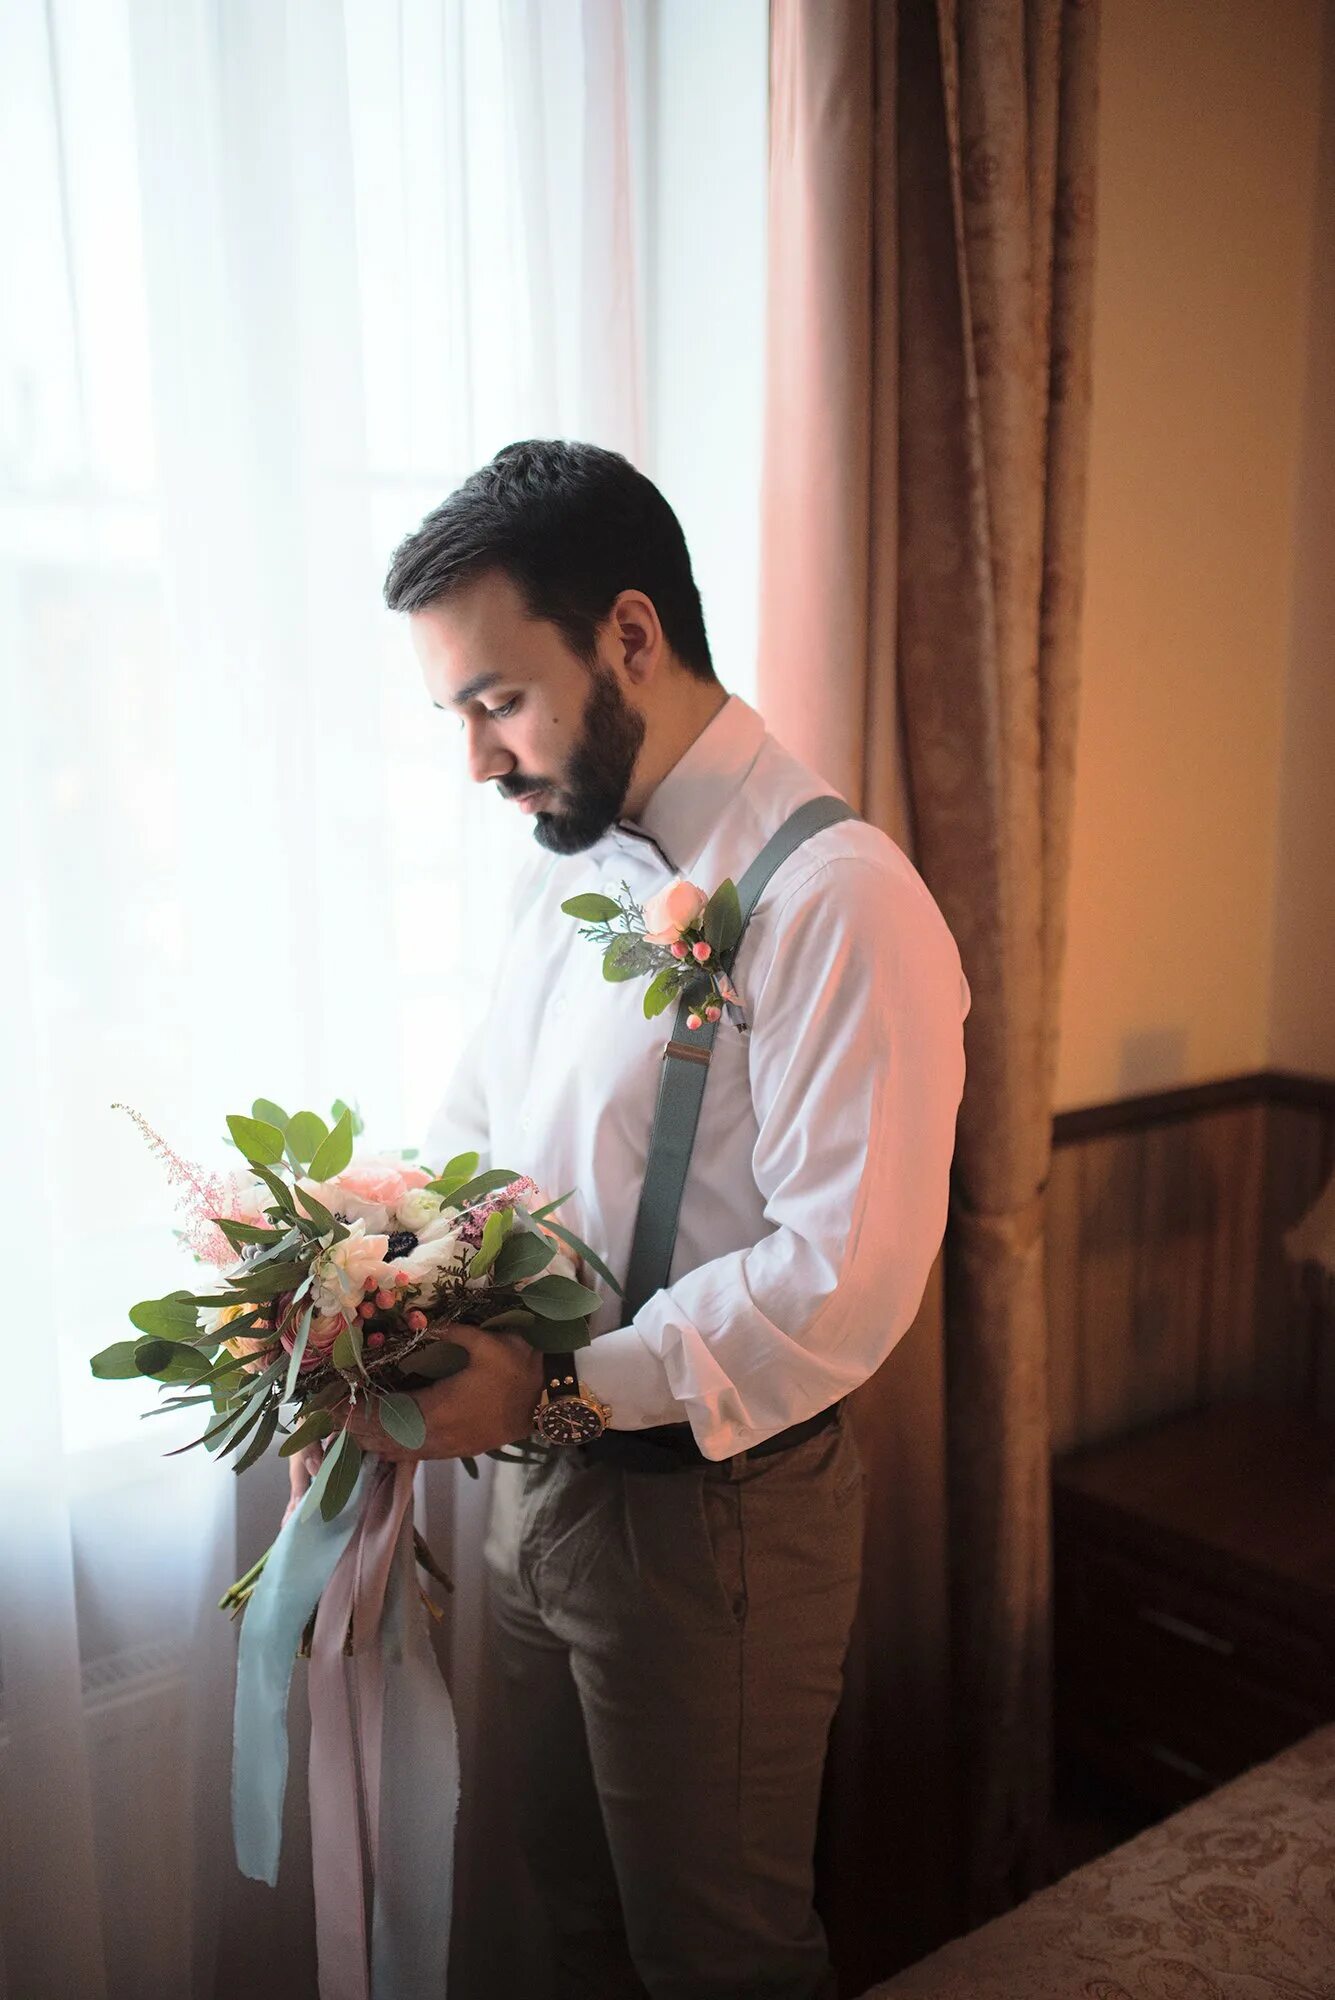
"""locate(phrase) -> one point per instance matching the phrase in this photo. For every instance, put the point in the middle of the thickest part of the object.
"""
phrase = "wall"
(1200, 789)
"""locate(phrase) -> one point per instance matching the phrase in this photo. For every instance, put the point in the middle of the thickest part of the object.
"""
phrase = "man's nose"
(486, 758)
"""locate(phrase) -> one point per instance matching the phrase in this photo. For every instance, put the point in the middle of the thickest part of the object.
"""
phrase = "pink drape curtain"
(931, 250)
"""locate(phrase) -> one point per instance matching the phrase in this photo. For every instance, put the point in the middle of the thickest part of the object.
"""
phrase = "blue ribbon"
(299, 1566)
(413, 1888)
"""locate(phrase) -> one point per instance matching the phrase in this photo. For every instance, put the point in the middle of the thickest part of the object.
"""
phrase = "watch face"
(569, 1420)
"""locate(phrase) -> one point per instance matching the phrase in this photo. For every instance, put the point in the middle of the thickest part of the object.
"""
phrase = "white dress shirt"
(817, 1193)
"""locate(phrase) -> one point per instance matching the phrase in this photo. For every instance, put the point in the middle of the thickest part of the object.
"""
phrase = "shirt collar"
(686, 804)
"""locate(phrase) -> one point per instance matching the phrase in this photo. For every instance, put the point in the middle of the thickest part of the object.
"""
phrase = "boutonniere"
(683, 937)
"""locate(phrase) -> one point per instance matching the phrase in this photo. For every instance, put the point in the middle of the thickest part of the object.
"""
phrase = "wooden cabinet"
(1194, 1598)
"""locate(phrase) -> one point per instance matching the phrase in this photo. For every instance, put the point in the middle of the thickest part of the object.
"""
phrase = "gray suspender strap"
(682, 1083)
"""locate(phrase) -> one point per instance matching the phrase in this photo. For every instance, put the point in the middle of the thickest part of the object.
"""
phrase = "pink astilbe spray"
(205, 1197)
(470, 1229)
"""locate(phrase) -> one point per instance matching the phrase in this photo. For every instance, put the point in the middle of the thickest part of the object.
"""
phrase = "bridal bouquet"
(334, 1280)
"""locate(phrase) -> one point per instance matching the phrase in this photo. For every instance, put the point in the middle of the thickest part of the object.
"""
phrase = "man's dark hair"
(571, 525)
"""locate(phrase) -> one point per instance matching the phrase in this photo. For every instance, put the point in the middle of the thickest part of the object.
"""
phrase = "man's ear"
(638, 635)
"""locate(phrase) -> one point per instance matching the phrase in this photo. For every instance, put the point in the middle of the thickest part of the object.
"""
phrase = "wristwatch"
(567, 1414)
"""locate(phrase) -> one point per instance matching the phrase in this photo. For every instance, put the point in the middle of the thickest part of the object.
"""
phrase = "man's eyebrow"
(477, 685)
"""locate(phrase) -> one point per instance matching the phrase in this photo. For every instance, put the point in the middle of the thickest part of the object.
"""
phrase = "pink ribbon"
(347, 1703)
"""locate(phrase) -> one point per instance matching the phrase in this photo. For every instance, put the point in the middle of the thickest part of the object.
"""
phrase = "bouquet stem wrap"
(384, 1765)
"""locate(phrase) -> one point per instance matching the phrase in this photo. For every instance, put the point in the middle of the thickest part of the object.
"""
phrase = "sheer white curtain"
(274, 276)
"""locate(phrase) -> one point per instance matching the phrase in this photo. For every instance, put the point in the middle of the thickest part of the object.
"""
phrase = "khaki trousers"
(673, 1646)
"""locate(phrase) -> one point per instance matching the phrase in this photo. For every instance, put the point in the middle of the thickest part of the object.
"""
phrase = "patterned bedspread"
(1233, 1898)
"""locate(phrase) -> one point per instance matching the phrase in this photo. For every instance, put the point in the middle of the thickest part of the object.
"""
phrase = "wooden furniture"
(1194, 1599)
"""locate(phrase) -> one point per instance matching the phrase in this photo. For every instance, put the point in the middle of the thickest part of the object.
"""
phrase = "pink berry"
(384, 1300)
(375, 1340)
(365, 1309)
(416, 1320)
(701, 949)
(693, 1020)
(369, 1284)
(677, 948)
(713, 1013)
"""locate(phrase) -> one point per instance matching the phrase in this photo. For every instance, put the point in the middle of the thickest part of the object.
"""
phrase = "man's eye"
(499, 714)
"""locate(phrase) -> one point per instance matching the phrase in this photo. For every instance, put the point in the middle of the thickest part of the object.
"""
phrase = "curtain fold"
(931, 228)
(278, 275)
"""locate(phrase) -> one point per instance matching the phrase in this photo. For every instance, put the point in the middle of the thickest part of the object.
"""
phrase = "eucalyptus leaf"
(318, 1213)
(591, 908)
(261, 1440)
(560, 1298)
(313, 1426)
(298, 1350)
(460, 1167)
(261, 1143)
(279, 1189)
(513, 1320)
(436, 1360)
(174, 1317)
(152, 1353)
(240, 1234)
(403, 1419)
(268, 1112)
(522, 1255)
(558, 1336)
(338, 1475)
(721, 921)
(306, 1132)
(591, 1257)
(347, 1352)
(659, 993)
(548, 1208)
(116, 1363)
(334, 1152)
(482, 1184)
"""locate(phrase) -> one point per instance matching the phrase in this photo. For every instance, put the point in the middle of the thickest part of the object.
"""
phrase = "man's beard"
(598, 770)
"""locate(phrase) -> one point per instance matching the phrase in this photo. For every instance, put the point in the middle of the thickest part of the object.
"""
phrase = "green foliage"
(298, 1350)
(258, 1140)
(522, 1255)
(628, 958)
(174, 1317)
(591, 908)
(116, 1363)
(721, 920)
(268, 1112)
(334, 1152)
(313, 1426)
(661, 991)
(494, 1232)
(261, 1439)
(347, 1354)
(333, 1483)
(558, 1298)
(591, 1257)
(306, 1133)
(435, 1360)
(403, 1419)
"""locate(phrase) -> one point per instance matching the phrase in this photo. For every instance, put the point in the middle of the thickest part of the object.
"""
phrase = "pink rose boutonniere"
(685, 938)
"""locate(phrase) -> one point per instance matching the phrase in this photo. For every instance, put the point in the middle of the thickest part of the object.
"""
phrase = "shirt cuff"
(623, 1372)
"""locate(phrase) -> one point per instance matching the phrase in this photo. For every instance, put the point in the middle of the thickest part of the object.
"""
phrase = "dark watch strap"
(560, 1377)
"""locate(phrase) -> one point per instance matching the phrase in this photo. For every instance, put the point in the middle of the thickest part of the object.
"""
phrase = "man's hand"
(489, 1403)
(302, 1467)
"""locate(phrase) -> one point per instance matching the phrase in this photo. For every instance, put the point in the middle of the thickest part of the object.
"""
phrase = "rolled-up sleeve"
(857, 1000)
